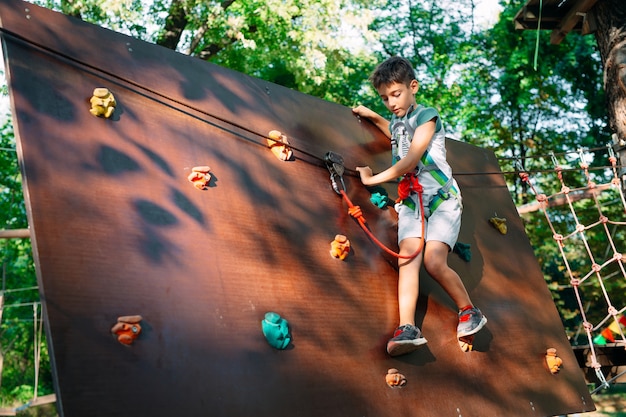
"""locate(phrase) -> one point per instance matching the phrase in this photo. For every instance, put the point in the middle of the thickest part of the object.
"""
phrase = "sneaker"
(405, 339)
(470, 322)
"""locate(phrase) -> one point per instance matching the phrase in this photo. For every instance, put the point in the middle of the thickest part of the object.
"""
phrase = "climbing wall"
(119, 230)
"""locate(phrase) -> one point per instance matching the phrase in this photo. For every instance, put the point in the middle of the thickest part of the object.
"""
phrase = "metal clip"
(334, 163)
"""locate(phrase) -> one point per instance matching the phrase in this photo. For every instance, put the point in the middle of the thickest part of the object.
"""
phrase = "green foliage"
(522, 111)
(292, 43)
(17, 330)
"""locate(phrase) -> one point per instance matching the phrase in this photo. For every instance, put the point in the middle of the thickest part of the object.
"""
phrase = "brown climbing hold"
(102, 103)
(278, 145)
(395, 379)
(340, 247)
(127, 329)
(553, 361)
(200, 177)
(499, 224)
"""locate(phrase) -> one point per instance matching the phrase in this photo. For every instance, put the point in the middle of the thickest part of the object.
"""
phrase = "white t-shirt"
(434, 158)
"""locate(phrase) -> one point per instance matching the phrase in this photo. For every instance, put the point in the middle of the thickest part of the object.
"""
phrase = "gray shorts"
(443, 225)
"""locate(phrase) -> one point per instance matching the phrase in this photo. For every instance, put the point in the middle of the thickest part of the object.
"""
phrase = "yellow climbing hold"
(553, 361)
(499, 224)
(102, 102)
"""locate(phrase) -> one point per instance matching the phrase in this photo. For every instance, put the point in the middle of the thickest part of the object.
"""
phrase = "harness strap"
(447, 189)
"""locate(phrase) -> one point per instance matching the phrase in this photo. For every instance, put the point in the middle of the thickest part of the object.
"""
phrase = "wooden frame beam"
(577, 13)
(15, 234)
(574, 16)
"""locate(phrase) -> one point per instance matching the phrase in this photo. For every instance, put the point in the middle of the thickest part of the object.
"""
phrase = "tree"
(300, 44)
(610, 17)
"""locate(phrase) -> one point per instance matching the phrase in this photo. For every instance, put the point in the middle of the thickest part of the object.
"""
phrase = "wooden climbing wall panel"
(119, 230)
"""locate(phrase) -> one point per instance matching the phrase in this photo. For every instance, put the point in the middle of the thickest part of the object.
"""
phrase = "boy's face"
(398, 97)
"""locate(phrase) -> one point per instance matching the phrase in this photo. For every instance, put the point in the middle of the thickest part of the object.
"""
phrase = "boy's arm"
(379, 121)
(421, 139)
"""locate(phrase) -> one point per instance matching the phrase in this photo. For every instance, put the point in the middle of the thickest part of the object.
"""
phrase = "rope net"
(593, 274)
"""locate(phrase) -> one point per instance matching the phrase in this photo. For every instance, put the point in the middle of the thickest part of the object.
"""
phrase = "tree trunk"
(174, 25)
(610, 16)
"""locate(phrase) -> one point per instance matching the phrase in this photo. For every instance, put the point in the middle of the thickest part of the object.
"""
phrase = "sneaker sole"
(402, 348)
(482, 323)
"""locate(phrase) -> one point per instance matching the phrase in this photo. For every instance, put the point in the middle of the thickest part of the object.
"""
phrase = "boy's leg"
(471, 319)
(407, 336)
(408, 280)
(436, 263)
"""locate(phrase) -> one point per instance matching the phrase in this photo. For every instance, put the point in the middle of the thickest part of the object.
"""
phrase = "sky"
(487, 12)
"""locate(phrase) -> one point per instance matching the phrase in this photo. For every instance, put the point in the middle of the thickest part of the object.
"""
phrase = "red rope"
(355, 211)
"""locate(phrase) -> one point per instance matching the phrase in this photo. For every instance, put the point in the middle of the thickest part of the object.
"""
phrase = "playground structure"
(605, 339)
(165, 233)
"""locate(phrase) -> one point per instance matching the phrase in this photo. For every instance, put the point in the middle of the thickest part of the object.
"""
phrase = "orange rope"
(355, 211)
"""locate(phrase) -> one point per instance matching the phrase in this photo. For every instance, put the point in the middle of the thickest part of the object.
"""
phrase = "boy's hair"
(393, 70)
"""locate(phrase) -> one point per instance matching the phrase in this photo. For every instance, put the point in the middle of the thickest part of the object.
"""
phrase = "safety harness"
(409, 183)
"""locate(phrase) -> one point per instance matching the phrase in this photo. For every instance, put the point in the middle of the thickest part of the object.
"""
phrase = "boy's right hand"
(363, 111)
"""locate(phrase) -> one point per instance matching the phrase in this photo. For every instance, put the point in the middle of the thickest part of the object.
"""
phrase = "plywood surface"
(118, 230)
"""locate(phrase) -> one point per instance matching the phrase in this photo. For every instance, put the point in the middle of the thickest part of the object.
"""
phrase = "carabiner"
(334, 163)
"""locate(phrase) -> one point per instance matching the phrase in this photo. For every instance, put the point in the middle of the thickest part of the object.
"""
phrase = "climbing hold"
(278, 145)
(102, 102)
(499, 224)
(553, 361)
(395, 379)
(200, 177)
(380, 200)
(340, 247)
(127, 329)
(463, 250)
(276, 330)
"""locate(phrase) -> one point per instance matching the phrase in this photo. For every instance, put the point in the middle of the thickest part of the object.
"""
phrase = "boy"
(418, 149)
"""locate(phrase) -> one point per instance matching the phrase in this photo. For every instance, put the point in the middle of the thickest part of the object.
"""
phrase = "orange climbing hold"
(200, 177)
(102, 103)
(340, 247)
(395, 379)
(127, 329)
(278, 145)
(553, 361)
(499, 224)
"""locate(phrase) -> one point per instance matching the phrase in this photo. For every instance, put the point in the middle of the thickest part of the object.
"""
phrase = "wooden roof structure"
(559, 16)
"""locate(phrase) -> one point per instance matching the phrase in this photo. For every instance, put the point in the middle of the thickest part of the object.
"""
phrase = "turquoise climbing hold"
(276, 330)
(379, 200)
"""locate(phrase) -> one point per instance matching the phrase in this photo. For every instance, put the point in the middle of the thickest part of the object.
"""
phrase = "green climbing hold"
(463, 250)
(276, 330)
